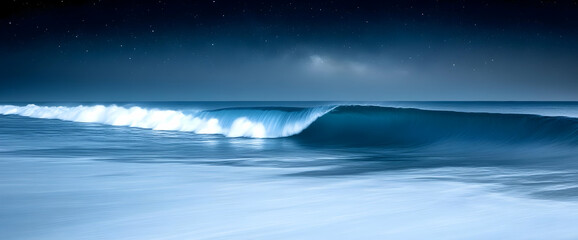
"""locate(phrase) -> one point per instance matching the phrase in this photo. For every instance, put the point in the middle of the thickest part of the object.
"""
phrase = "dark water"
(289, 170)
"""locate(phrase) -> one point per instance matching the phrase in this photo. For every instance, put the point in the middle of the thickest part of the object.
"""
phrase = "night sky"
(143, 50)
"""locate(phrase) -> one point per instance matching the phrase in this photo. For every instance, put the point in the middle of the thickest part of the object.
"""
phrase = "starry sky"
(399, 50)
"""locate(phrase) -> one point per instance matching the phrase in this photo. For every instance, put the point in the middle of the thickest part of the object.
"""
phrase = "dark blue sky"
(288, 50)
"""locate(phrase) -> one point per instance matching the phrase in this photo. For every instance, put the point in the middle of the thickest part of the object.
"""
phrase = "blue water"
(289, 170)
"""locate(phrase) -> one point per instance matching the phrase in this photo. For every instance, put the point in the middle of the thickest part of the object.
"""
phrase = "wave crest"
(342, 125)
(255, 123)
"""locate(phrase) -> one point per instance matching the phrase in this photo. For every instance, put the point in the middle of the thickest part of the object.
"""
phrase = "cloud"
(354, 70)
(326, 65)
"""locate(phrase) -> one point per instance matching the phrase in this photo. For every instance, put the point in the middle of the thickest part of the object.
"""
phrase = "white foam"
(231, 123)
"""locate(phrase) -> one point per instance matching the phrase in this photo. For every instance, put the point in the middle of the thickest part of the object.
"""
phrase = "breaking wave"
(351, 125)
(234, 122)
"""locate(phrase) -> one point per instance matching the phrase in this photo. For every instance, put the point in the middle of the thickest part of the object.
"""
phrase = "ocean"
(289, 170)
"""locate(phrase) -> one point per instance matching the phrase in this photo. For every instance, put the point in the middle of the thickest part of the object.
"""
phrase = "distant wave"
(351, 125)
